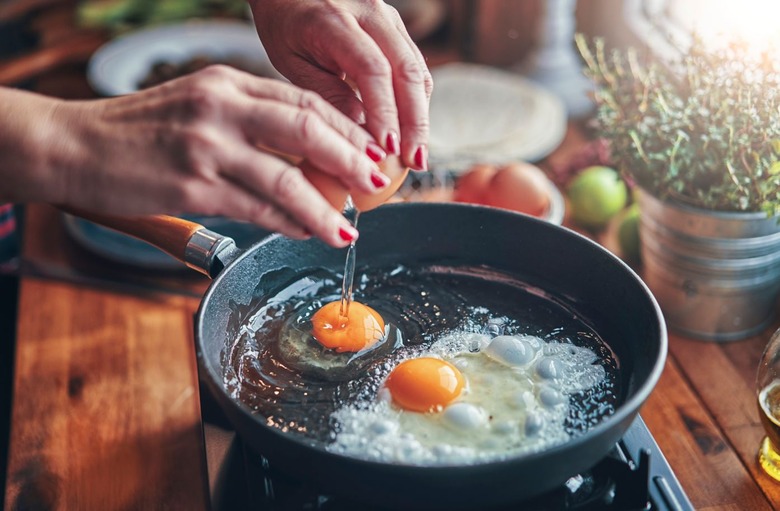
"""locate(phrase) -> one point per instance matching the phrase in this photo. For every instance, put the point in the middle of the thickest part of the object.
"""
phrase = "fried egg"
(322, 343)
(359, 328)
(469, 398)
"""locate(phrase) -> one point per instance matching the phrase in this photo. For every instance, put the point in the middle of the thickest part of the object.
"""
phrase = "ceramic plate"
(118, 66)
(483, 114)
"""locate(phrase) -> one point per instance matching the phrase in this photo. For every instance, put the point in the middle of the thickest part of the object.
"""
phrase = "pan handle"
(191, 243)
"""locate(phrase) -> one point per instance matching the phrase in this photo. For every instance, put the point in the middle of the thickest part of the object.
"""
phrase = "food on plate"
(164, 70)
(596, 194)
(516, 186)
(359, 329)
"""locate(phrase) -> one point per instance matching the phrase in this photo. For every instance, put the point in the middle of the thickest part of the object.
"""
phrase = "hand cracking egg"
(469, 398)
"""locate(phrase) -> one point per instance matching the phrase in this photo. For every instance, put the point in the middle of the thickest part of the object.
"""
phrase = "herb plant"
(704, 129)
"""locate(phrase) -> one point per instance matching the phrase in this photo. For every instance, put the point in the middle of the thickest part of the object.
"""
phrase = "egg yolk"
(361, 328)
(424, 384)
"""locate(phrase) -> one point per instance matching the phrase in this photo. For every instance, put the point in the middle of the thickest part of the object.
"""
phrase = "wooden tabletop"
(106, 412)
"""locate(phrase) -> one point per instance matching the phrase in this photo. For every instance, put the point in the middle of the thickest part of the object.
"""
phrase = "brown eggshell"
(336, 194)
(471, 186)
(329, 186)
(519, 187)
(392, 168)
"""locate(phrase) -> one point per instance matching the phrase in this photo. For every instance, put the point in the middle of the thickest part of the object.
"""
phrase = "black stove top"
(634, 476)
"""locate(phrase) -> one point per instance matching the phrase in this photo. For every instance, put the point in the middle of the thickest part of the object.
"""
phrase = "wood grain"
(708, 469)
(727, 389)
(106, 413)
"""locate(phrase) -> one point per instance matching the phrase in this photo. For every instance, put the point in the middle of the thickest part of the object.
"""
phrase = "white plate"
(483, 114)
(117, 67)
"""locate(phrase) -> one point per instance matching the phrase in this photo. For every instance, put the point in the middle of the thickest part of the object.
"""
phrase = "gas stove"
(633, 476)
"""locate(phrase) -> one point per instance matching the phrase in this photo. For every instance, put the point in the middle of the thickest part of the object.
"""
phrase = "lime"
(628, 234)
(596, 195)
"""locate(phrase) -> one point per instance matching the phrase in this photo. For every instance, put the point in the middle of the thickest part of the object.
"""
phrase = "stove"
(633, 476)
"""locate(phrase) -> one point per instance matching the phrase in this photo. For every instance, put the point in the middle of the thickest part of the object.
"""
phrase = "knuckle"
(198, 142)
(201, 99)
(377, 65)
(395, 16)
(355, 165)
(385, 111)
(409, 70)
(309, 100)
(217, 72)
(289, 183)
(307, 125)
(428, 82)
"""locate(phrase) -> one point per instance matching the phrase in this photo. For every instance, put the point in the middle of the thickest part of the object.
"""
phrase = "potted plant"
(700, 137)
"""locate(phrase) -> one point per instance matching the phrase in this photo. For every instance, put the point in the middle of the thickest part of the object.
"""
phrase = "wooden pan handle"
(168, 233)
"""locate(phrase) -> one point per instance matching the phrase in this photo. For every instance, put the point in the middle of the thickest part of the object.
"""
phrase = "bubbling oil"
(420, 305)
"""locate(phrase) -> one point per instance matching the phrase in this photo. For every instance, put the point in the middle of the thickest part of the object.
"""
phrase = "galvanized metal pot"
(715, 274)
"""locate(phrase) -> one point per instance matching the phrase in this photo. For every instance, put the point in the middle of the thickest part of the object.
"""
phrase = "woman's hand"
(324, 44)
(208, 143)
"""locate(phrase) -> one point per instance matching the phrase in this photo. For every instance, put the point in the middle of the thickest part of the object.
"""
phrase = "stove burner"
(634, 476)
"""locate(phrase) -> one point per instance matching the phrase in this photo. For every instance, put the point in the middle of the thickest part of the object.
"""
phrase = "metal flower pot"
(715, 274)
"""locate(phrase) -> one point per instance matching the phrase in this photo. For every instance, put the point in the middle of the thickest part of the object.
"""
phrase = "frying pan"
(575, 270)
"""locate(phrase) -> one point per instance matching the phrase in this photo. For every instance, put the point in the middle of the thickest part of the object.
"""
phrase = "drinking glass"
(768, 393)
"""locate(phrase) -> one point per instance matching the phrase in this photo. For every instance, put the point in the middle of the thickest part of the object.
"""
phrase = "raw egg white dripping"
(469, 398)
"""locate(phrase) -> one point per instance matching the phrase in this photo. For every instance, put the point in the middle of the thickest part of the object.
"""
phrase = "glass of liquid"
(768, 389)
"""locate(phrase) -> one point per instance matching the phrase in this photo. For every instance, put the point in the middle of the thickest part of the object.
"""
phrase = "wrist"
(32, 148)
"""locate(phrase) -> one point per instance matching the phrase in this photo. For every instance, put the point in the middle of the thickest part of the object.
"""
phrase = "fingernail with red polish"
(375, 152)
(379, 180)
(391, 143)
(348, 233)
(421, 158)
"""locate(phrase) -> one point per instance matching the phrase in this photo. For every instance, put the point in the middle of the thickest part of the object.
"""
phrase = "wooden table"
(106, 412)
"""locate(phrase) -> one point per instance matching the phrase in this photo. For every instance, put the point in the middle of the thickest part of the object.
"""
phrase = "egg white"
(516, 400)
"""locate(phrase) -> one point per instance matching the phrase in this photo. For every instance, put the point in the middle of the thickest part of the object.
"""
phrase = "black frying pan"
(579, 272)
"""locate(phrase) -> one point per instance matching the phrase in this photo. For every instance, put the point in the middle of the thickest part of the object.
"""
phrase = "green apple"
(596, 194)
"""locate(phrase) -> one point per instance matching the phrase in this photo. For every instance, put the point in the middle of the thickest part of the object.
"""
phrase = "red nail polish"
(375, 152)
(379, 180)
(421, 158)
(391, 143)
(347, 234)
